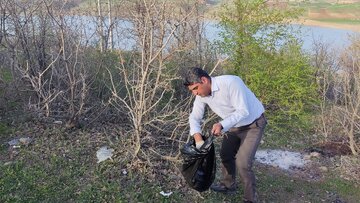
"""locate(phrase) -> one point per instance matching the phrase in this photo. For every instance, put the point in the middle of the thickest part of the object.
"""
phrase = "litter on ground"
(104, 153)
(280, 158)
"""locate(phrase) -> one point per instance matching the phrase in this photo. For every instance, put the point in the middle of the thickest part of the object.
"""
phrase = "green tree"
(265, 53)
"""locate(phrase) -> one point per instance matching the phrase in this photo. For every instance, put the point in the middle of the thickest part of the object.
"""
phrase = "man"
(243, 122)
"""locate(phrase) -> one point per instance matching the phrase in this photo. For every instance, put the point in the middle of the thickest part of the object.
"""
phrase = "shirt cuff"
(226, 125)
(193, 132)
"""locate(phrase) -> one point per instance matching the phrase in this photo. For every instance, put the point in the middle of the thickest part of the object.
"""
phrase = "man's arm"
(195, 119)
(197, 137)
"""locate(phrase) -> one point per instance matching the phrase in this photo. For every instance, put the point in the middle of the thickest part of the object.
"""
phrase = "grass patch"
(285, 140)
(6, 75)
(57, 181)
(343, 187)
(354, 7)
(317, 6)
(60, 166)
(274, 185)
(70, 182)
(4, 129)
(279, 187)
(21, 183)
(327, 9)
(4, 132)
(312, 6)
(339, 21)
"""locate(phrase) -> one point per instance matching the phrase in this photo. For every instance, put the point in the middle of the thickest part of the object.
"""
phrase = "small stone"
(315, 154)
(323, 168)
(307, 157)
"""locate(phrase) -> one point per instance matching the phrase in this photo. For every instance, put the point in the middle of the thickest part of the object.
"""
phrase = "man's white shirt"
(231, 100)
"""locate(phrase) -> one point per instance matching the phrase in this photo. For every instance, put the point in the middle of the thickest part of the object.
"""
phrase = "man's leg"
(250, 140)
(229, 148)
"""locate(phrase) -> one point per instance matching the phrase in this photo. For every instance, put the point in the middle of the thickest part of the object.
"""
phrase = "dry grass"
(350, 168)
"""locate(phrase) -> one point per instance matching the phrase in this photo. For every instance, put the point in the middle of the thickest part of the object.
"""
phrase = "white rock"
(323, 168)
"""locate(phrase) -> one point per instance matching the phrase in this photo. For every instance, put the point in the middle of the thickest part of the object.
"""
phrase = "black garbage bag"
(199, 165)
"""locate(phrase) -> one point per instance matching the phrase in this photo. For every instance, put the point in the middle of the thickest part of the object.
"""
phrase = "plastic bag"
(199, 165)
(104, 153)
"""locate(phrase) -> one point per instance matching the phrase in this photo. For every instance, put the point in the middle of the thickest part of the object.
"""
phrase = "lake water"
(335, 38)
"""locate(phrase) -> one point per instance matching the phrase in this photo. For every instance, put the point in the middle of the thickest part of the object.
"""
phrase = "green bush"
(266, 55)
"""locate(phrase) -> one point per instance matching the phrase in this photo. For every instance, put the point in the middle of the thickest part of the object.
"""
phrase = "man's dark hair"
(193, 75)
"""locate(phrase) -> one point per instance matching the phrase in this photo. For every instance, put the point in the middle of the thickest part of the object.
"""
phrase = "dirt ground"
(355, 28)
(314, 17)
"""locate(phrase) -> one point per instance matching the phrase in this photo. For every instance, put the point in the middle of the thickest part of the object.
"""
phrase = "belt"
(244, 127)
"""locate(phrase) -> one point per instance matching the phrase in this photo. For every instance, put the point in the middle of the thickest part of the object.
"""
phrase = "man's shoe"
(223, 189)
(255, 200)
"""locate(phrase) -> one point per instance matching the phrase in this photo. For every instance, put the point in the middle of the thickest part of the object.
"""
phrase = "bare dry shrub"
(340, 90)
(349, 95)
(67, 65)
(327, 66)
(150, 91)
(48, 50)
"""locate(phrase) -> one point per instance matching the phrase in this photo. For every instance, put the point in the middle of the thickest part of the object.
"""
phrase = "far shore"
(308, 22)
(355, 28)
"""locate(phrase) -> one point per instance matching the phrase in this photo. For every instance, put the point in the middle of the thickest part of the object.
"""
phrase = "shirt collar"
(214, 86)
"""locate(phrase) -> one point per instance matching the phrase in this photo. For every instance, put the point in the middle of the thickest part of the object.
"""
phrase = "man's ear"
(204, 79)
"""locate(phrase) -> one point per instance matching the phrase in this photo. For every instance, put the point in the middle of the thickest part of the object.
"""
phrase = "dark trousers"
(237, 153)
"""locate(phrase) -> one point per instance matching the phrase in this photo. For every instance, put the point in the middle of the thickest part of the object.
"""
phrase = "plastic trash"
(15, 143)
(104, 153)
(124, 171)
(165, 194)
(25, 140)
(58, 122)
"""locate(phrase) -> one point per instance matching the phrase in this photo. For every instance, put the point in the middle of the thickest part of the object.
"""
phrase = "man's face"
(202, 88)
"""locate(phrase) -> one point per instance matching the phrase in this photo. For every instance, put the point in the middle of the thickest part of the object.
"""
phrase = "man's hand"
(216, 129)
(198, 140)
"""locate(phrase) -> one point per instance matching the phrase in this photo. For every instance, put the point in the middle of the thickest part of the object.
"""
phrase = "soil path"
(355, 28)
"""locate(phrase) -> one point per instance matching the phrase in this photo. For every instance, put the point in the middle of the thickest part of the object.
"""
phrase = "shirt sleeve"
(196, 116)
(238, 99)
